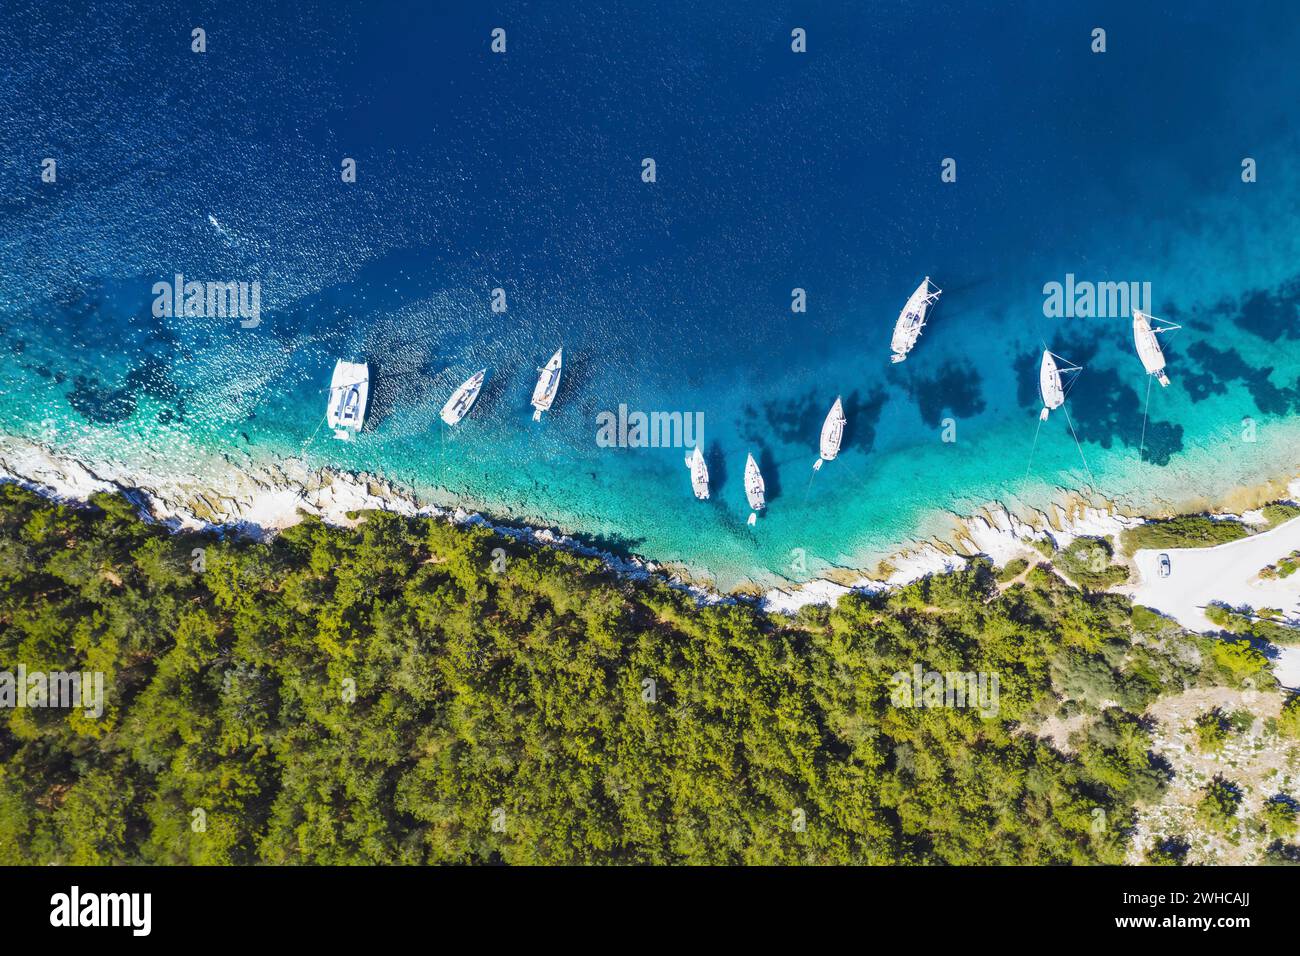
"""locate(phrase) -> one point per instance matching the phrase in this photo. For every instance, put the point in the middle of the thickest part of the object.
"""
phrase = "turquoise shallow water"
(774, 172)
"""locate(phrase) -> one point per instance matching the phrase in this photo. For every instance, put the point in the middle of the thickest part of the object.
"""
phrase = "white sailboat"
(349, 391)
(832, 434)
(699, 473)
(548, 383)
(1049, 382)
(458, 405)
(1148, 347)
(755, 489)
(1052, 391)
(912, 319)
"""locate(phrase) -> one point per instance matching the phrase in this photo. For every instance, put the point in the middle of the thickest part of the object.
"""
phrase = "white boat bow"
(699, 473)
(912, 319)
(349, 393)
(1148, 346)
(755, 489)
(463, 398)
(832, 434)
(1050, 386)
(548, 383)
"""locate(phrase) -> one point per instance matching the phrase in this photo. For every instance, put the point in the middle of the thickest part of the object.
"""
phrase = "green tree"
(1218, 804)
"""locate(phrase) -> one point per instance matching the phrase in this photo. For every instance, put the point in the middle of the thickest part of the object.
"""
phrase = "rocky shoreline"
(261, 500)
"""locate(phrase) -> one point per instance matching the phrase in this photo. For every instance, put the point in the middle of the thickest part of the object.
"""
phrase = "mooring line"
(1034, 447)
(1079, 445)
(303, 450)
(1145, 409)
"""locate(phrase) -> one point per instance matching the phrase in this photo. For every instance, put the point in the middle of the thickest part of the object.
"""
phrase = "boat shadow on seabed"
(767, 464)
(716, 458)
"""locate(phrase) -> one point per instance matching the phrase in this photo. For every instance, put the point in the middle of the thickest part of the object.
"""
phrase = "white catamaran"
(754, 489)
(458, 405)
(912, 319)
(832, 434)
(1049, 382)
(349, 390)
(699, 473)
(1148, 348)
(548, 383)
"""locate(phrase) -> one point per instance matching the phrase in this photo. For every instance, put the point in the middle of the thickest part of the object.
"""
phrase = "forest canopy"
(409, 691)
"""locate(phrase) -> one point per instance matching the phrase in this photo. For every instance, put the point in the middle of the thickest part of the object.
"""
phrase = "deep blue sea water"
(775, 170)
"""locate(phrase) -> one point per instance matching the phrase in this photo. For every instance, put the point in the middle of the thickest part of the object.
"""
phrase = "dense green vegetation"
(1280, 511)
(1258, 626)
(1279, 817)
(1211, 731)
(1288, 721)
(1186, 531)
(1044, 546)
(409, 692)
(1170, 851)
(1217, 807)
(1012, 570)
(1088, 562)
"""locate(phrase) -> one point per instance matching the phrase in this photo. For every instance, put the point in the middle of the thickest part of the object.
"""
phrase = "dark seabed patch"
(1272, 315)
(1110, 410)
(100, 405)
(1078, 351)
(1162, 440)
(863, 415)
(790, 422)
(151, 378)
(385, 393)
(715, 457)
(1220, 366)
(1026, 368)
(955, 388)
(771, 474)
(800, 422)
(1202, 385)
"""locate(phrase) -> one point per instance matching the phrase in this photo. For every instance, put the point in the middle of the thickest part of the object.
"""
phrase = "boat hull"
(912, 320)
(463, 399)
(832, 434)
(1049, 385)
(1148, 346)
(755, 488)
(699, 474)
(349, 395)
(548, 384)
